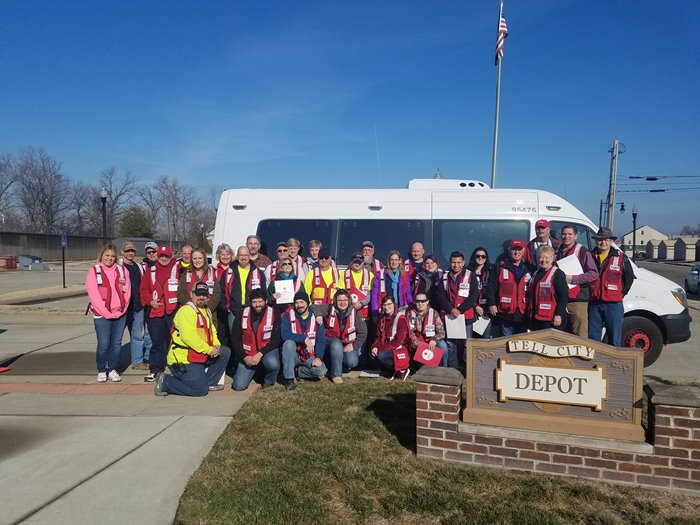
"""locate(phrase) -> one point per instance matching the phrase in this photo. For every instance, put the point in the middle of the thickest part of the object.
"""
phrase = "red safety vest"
(167, 295)
(273, 270)
(377, 265)
(310, 332)
(545, 300)
(574, 291)
(191, 279)
(321, 293)
(464, 285)
(512, 295)
(358, 294)
(424, 330)
(401, 355)
(408, 267)
(608, 286)
(105, 288)
(253, 281)
(204, 329)
(301, 268)
(253, 342)
(333, 327)
(403, 300)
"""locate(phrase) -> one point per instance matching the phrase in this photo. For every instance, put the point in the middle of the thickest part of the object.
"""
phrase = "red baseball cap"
(516, 243)
(544, 223)
(164, 250)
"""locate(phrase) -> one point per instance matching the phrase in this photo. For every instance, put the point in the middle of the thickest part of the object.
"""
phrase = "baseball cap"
(324, 253)
(201, 289)
(357, 257)
(516, 243)
(165, 250)
(128, 245)
(150, 245)
(370, 244)
(542, 223)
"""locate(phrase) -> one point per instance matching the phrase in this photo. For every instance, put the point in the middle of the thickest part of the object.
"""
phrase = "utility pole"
(611, 191)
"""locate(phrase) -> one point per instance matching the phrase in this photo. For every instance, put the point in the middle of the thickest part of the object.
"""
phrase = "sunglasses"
(150, 251)
(286, 264)
(282, 250)
(480, 256)
(421, 301)
(325, 257)
(129, 251)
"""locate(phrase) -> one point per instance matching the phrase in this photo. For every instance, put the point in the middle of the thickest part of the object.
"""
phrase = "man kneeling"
(195, 357)
(304, 343)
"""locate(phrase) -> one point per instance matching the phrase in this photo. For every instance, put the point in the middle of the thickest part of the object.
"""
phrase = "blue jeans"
(109, 342)
(610, 315)
(244, 373)
(510, 328)
(135, 325)
(198, 377)
(457, 350)
(292, 361)
(340, 359)
(446, 356)
(159, 328)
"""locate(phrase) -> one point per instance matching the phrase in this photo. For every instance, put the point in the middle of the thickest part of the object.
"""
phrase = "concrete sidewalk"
(76, 451)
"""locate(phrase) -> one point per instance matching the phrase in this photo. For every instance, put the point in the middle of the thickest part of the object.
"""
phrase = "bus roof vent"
(445, 184)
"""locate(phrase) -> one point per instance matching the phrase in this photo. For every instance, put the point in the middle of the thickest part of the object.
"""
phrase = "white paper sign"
(481, 324)
(570, 266)
(286, 288)
(455, 327)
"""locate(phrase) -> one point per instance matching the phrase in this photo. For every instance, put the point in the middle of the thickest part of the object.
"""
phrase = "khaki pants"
(578, 318)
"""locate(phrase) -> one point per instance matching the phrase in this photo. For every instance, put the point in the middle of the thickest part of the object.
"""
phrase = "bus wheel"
(640, 332)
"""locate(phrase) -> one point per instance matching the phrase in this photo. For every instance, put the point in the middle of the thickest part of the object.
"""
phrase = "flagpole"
(495, 129)
(500, 39)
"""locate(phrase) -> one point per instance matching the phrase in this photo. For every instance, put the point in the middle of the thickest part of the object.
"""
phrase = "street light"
(103, 198)
(634, 229)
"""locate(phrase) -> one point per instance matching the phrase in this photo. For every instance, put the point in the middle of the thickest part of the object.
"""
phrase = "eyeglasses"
(148, 252)
(421, 301)
(480, 256)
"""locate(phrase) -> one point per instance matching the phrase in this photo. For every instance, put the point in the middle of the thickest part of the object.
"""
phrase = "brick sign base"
(670, 459)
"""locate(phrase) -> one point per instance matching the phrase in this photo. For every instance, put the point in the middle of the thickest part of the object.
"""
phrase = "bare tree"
(85, 211)
(120, 191)
(8, 178)
(44, 191)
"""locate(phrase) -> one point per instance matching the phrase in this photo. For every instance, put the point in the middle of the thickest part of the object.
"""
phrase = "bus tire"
(640, 332)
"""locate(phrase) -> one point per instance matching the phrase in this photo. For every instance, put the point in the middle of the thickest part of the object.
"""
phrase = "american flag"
(502, 35)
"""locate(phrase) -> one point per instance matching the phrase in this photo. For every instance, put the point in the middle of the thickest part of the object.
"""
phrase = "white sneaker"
(114, 376)
(102, 377)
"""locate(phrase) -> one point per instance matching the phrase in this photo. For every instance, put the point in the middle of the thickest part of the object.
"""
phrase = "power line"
(659, 190)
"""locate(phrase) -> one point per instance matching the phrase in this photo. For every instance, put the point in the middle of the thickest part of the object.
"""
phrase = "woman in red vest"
(199, 271)
(391, 345)
(548, 293)
(109, 289)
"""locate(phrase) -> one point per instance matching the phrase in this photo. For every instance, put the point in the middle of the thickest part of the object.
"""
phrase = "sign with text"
(570, 386)
(552, 381)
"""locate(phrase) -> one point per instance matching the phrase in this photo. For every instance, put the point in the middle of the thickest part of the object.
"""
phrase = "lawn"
(345, 454)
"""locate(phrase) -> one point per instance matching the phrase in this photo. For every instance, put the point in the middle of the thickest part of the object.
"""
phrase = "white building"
(644, 235)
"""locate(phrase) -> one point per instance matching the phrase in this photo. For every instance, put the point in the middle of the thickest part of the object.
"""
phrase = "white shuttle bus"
(445, 215)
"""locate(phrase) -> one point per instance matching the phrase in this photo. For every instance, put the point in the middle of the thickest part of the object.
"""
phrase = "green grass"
(342, 455)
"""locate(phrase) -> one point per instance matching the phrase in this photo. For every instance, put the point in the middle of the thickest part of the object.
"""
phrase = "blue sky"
(276, 94)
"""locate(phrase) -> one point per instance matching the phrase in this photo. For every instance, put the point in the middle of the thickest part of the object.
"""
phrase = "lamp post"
(634, 229)
(103, 198)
